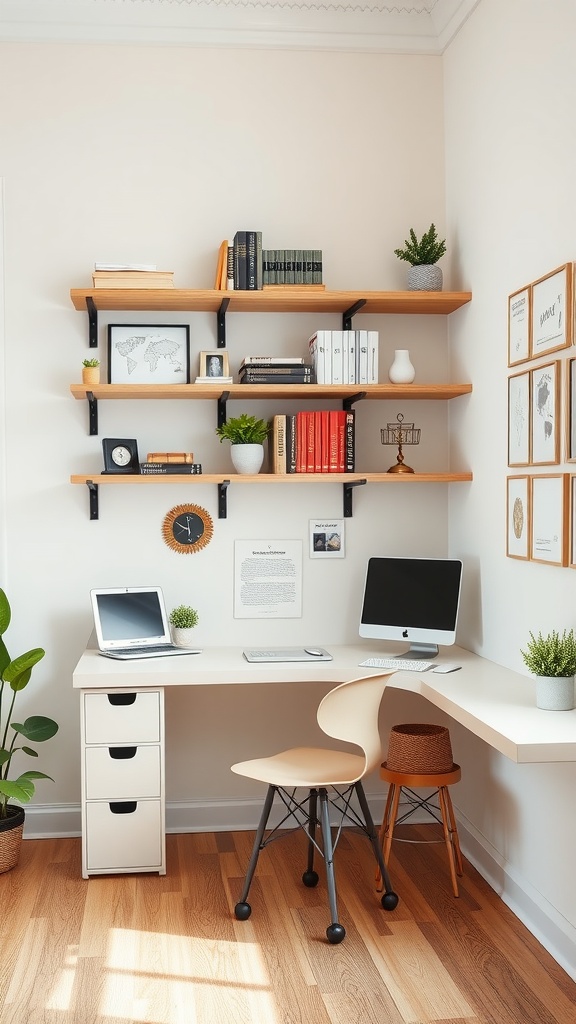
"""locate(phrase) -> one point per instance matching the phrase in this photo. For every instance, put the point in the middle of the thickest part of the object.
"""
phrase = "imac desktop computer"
(412, 599)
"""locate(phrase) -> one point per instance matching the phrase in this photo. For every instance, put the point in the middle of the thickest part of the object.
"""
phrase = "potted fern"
(552, 660)
(183, 619)
(422, 254)
(246, 435)
(14, 677)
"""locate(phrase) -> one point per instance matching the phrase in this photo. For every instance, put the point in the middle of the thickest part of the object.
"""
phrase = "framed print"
(549, 517)
(572, 552)
(570, 396)
(545, 414)
(519, 326)
(148, 354)
(326, 538)
(518, 517)
(214, 364)
(519, 419)
(551, 312)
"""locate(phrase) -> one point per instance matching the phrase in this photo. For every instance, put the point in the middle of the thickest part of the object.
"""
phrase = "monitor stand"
(420, 651)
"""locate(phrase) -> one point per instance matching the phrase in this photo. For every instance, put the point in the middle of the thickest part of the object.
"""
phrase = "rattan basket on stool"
(420, 756)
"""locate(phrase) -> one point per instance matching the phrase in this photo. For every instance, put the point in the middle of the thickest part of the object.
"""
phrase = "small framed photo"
(214, 364)
(519, 326)
(545, 414)
(570, 396)
(572, 551)
(148, 354)
(549, 518)
(518, 517)
(326, 538)
(551, 313)
(519, 419)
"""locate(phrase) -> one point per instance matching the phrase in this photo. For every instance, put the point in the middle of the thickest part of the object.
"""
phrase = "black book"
(291, 443)
(349, 444)
(240, 267)
(275, 378)
(159, 468)
(251, 261)
(294, 369)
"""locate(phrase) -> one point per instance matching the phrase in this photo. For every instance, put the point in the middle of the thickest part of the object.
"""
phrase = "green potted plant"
(90, 371)
(422, 254)
(183, 619)
(246, 435)
(14, 677)
(552, 660)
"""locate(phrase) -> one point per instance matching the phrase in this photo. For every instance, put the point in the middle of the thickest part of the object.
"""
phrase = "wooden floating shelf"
(256, 391)
(271, 478)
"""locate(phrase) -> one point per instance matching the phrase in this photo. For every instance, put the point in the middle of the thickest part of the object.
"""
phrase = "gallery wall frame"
(572, 542)
(518, 517)
(570, 406)
(551, 311)
(549, 517)
(148, 354)
(545, 414)
(519, 322)
(519, 406)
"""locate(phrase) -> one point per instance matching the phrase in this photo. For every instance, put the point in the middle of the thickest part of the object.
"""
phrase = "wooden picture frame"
(518, 520)
(148, 354)
(545, 414)
(519, 405)
(572, 543)
(551, 312)
(214, 365)
(549, 507)
(519, 323)
(570, 400)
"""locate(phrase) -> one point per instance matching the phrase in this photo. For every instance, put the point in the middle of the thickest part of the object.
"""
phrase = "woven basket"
(11, 829)
(419, 749)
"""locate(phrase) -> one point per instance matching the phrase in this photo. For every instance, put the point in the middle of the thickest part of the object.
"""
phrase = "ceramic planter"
(247, 458)
(184, 637)
(425, 278)
(555, 693)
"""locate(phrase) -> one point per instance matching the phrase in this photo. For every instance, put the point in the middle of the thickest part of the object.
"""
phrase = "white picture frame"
(551, 312)
(327, 538)
(549, 499)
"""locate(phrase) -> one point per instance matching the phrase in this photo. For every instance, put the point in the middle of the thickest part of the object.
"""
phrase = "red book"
(324, 440)
(309, 442)
(317, 417)
(333, 440)
(300, 443)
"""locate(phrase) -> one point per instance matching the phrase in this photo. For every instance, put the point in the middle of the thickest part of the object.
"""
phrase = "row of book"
(243, 265)
(278, 370)
(313, 442)
(344, 357)
(130, 275)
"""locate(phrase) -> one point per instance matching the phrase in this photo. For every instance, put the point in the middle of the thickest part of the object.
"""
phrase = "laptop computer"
(131, 622)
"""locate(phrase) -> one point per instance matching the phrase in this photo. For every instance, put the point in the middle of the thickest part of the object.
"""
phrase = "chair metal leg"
(310, 876)
(243, 909)
(389, 899)
(335, 932)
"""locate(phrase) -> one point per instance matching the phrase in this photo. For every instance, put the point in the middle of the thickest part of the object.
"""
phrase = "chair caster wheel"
(310, 879)
(389, 901)
(335, 933)
(242, 911)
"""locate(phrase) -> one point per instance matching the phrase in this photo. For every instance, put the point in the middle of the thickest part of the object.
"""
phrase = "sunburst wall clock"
(187, 528)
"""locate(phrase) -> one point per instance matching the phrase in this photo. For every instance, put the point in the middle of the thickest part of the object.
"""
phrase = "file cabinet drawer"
(129, 840)
(122, 717)
(122, 773)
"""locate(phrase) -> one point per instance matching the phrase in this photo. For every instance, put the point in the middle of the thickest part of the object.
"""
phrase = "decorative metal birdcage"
(400, 434)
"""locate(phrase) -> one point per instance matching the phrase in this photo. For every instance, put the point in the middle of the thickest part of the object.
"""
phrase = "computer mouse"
(447, 666)
(314, 651)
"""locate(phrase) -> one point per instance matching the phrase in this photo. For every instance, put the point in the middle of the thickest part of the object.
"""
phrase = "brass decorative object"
(401, 434)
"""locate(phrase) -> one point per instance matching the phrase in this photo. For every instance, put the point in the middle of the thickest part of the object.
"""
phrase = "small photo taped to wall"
(327, 538)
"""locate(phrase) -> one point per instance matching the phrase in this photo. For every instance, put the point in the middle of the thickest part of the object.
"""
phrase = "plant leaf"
(37, 728)
(18, 672)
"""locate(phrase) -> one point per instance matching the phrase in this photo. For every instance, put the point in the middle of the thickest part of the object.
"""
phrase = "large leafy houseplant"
(243, 429)
(14, 677)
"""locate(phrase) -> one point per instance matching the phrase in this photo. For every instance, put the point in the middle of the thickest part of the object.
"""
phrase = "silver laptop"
(131, 622)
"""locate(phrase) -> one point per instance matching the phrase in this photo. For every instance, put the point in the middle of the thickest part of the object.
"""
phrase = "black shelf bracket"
(222, 408)
(348, 496)
(349, 313)
(347, 403)
(93, 492)
(221, 323)
(92, 413)
(92, 322)
(222, 506)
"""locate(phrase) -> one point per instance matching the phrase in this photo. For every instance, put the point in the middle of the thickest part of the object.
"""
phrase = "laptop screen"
(131, 616)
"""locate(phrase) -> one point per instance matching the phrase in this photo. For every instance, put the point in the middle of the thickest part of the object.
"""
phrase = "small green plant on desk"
(551, 655)
(243, 429)
(423, 251)
(183, 617)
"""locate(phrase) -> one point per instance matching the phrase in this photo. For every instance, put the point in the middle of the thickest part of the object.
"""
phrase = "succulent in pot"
(90, 371)
(422, 254)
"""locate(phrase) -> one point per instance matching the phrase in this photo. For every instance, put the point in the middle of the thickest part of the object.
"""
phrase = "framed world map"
(148, 354)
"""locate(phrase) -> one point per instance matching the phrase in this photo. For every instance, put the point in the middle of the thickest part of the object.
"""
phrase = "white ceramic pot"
(184, 637)
(401, 371)
(247, 458)
(555, 693)
(425, 278)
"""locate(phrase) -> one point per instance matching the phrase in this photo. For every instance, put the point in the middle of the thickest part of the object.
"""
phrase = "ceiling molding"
(407, 26)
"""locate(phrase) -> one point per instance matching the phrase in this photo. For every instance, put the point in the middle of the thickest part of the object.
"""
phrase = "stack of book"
(158, 463)
(344, 357)
(292, 266)
(115, 275)
(276, 370)
(313, 442)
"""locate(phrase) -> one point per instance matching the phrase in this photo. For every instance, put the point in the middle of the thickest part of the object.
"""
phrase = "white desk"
(492, 702)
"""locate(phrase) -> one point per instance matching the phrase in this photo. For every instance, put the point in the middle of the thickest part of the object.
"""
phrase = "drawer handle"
(120, 699)
(122, 753)
(123, 807)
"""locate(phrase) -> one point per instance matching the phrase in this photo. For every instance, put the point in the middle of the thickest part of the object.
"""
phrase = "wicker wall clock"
(187, 528)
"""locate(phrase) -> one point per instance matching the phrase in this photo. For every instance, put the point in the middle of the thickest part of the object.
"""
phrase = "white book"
(273, 360)
(351, 378)
(372, 357)
(337, 374)
(361, 357)
(125, 266)
(319, 347)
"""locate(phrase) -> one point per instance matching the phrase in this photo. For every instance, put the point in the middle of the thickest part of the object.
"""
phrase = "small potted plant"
(552, 659)
(422, 255)
(183, 619)
(14, 676)
(246, 435)
(90, 371)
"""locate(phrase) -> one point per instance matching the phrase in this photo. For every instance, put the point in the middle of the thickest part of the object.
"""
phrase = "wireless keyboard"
(397, 664)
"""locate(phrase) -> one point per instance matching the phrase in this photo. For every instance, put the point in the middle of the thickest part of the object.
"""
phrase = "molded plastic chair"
(348, 712)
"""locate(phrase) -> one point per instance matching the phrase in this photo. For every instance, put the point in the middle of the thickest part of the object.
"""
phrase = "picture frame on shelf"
(327, 538)
(570, 399)
(214, 365)
(519, 419)
(519, 326)
(545, 414)
(518, 521)
(549, 506)
(148, 354)
(551, 312)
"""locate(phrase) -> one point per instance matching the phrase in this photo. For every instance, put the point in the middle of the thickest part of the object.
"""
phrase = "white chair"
(348, 712)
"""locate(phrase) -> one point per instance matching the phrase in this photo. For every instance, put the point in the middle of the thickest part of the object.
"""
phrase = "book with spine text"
(175, 468)
(240, 261)
(272, 361)
(275, 378)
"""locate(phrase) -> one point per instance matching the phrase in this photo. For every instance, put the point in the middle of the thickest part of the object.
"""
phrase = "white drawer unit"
(123, 803)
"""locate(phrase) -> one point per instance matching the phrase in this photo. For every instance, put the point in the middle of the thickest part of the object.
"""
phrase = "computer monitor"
(412, 599)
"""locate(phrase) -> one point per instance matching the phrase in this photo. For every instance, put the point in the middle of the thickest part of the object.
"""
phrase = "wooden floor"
(126, 948)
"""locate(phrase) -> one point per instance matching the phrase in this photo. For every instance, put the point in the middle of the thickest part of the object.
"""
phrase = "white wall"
(510, 79)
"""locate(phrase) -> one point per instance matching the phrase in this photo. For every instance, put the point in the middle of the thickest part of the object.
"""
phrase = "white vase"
(247, 458)
(401, 371)
(184, 637)
(555, 693)
(425, 278)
